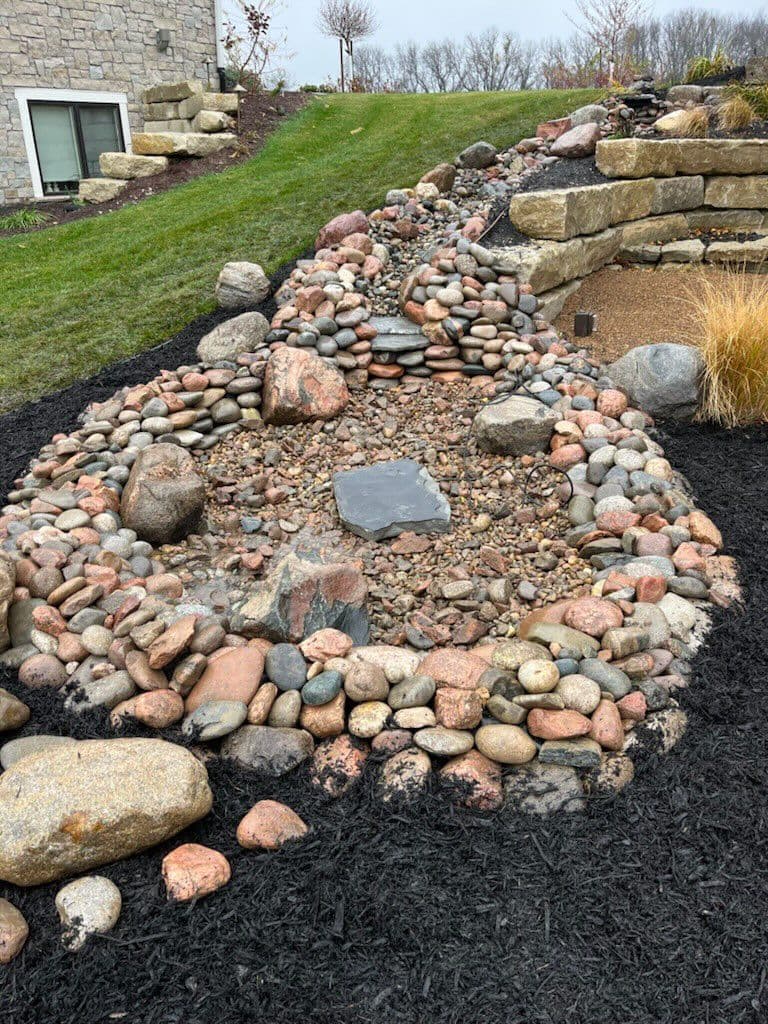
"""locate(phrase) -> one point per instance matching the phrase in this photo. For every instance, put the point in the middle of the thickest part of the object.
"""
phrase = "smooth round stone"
(87, 906)
(368, 719)
(415, 718)
(444, 742)
(154, 407)
(117, 545)
(504, 710)
(513, 653)
(284, 713)
(538, 676)
(581, 510)
(608, 677)
(567, 666)
(96, 640)
(214, 719)
(579, 693)
(157, 425)
(13, 712)
(72, 519)
(322, 688)
(285, 667)
(413, 692)
(629, 460)
(366, 682)
(507, 744)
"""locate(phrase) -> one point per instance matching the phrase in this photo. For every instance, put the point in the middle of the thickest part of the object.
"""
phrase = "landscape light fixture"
(584, 324)
(163, 39)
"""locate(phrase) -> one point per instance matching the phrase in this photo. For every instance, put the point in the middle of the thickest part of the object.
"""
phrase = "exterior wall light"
(163, 39)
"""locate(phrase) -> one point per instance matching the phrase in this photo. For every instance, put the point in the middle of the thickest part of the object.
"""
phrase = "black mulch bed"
(564, 174)
(648, 909)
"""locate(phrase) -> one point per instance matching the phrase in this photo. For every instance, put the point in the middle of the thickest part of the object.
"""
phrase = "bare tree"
(608, 24)
(347, 21)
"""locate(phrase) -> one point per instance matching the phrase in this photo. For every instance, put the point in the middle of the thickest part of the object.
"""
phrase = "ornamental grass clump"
(735, 114)
(729, 326)
(693, 124)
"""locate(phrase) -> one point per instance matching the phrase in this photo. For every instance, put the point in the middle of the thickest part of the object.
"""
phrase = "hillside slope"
(79, 296)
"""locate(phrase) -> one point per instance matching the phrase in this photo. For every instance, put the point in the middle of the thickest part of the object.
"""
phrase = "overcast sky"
(315, 58)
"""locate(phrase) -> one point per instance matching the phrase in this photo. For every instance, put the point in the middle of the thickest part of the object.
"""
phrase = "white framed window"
(65, 131)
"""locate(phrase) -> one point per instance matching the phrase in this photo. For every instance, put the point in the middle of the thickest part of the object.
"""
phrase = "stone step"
(129, 165)
(173, 92)
(396, 334)
(224, 102)
(181, 143)
(100, 190)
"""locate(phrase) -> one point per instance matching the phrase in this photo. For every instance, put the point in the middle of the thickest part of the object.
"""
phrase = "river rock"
(87, 906)
(515, 426)
(241, 285)
(74, 807)
(662, 380)
(299, 386)
(164, 496)
(244, 333)
(269, 750)
(303, 594)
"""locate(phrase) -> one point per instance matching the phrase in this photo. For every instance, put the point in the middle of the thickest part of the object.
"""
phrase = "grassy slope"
(76, 297)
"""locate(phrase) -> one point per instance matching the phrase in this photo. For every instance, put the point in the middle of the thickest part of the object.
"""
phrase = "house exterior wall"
(93, 45)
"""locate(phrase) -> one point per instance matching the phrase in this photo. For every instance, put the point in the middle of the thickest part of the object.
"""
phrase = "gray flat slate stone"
(396, 334)
(389, 498)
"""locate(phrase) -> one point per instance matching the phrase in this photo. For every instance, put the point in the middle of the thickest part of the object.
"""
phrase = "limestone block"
(551, 303)
(631, 200)
(746, 192)
(180, 143)
(100, 190)
(642, 158)
(654, 229)
(160, 111)
(129, 165)
(730, 219)
(561, 214)
(173, 92)
(550, 264)
(687, 250)
(225, 102)
(746, 254)
(674, 194)
(177, 125)
(600, 249)
(212, 121)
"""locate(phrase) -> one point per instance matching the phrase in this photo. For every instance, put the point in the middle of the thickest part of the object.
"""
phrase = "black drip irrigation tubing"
(649, 908)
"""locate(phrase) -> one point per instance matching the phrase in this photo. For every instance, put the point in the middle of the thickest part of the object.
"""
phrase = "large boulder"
(7, 584)
(71, 808)
(303, 594)
(299, 386)
(662, 380)
(241, 285)
(479, 155)
(244, 333)
(341, 226)
(515, 426)
(163, 499)
(579, 141)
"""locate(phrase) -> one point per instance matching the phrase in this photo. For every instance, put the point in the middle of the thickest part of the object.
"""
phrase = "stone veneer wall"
(104, 45)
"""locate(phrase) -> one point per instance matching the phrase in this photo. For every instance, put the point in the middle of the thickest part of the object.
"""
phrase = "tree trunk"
(341, 62)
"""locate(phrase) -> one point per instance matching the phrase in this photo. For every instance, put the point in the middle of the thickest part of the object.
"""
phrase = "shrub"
(729, 326)
(735, 114)
(693, 124)
(708, 67)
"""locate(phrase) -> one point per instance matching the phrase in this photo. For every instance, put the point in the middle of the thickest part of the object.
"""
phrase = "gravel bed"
(648, 908)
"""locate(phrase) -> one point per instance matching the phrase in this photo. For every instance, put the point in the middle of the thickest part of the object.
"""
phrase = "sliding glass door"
(69, 138)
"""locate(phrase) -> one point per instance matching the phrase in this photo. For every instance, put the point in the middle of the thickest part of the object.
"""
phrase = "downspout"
(221, 57)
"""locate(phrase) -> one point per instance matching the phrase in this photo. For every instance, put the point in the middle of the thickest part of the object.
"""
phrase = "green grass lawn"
(77, 297)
